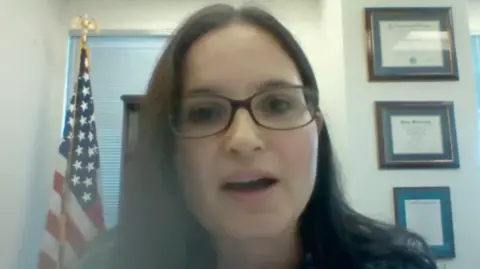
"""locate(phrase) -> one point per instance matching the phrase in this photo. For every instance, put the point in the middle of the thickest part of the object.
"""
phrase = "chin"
(257, 228)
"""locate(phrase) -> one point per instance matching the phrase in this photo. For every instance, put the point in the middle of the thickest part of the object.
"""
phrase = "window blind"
(119, 65)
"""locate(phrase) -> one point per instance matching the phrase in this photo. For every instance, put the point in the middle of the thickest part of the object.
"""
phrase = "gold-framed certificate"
(410, 44)
(416, 135)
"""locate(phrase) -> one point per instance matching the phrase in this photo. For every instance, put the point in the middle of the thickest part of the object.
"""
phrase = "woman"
(234, 167)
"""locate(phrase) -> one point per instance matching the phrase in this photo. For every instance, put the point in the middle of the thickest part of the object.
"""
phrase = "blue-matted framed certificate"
(427, 211)
(416, 135)
(410, 44)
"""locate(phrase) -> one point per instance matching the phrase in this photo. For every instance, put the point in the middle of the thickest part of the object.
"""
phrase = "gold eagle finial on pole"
(86, 24)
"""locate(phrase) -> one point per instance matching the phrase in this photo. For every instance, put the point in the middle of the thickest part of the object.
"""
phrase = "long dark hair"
(156, 230)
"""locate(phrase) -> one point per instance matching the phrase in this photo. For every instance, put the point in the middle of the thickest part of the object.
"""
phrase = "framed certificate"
(427, 211)
(410, 44)
(416, 135)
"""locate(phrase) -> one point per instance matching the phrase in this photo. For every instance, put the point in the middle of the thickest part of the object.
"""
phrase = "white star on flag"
(76, 191)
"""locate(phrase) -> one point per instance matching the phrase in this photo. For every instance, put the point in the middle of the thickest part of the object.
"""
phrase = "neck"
(282, 252)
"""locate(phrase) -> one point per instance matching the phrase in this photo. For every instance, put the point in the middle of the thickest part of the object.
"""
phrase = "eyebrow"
(203, 90)
(276, 83)
(268, 84)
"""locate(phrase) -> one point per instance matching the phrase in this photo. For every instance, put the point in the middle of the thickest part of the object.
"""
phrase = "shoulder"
(404, 251)
(400, 256)
(383, 246)
(394, 263)
(99, 252)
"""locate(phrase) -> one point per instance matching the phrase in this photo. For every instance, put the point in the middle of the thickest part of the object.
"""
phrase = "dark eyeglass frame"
(246, 104)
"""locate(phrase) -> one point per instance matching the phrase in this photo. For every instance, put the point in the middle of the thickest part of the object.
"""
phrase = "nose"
(243, 137)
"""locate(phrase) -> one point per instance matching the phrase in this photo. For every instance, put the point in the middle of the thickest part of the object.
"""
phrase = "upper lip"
(248, 175)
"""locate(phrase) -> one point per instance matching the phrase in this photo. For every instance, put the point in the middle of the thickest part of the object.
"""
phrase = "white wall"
(474, 16)
(331, 34)
(31, 74)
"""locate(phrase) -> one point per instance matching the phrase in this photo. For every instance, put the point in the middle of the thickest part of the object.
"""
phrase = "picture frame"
(416, 135)
(427, 211)
(411, 44)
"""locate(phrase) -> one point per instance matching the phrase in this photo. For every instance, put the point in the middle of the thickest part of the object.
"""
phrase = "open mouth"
(252, 185)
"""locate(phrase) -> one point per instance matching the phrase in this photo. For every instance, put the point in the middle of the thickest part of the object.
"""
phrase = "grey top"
(100, 251)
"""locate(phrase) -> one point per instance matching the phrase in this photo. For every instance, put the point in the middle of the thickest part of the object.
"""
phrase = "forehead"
(235, 59)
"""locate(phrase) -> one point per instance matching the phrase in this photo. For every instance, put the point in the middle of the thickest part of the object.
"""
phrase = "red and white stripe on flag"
(75, 197)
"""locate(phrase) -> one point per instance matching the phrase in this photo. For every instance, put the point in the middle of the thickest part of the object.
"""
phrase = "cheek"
(192, 163)
(298, 151)
(193, 160)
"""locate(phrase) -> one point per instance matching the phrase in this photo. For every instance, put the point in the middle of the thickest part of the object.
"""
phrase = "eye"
(204, 113)
(276, 105)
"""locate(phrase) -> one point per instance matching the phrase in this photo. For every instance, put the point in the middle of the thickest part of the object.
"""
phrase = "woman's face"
(237, 62)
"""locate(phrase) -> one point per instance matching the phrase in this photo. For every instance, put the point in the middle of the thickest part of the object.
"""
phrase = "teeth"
(250, 185)
(246, 180)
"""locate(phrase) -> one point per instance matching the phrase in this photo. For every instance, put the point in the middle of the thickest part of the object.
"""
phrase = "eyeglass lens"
(277, 109)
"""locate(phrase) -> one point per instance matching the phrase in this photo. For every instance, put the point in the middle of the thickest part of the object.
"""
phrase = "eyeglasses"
(282, 108)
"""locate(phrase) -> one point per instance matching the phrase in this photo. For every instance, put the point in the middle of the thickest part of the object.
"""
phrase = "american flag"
(75, 214)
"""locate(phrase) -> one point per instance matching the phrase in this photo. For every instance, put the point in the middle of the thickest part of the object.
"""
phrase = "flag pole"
(85, 24)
